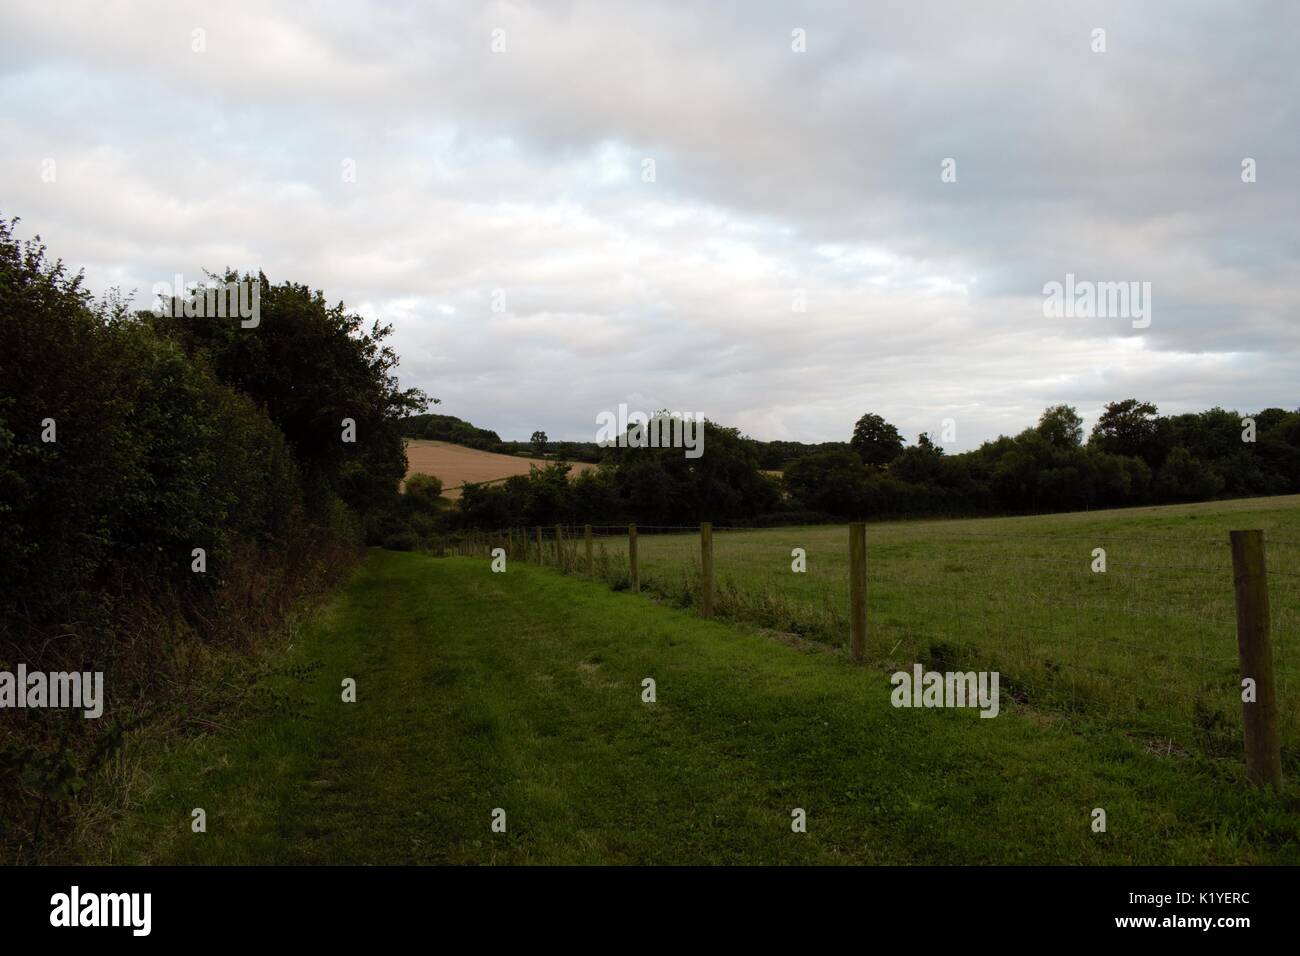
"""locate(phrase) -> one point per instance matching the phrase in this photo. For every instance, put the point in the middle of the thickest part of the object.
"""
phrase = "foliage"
(311, 366)
(168, 483)
(1061, 427)
(1045, 468)
(1129, 428)
(875, 440)
(449, 428)
(650, 485)
(426, 488)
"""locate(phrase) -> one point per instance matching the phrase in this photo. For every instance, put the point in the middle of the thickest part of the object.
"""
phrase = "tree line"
(131, 438)
(449, 428)
(173, 486)
(1132, 456)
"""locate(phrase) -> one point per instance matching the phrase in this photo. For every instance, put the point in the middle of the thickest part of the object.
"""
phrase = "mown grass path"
(523, 691)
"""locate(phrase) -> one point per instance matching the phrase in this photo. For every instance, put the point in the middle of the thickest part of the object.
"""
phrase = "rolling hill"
(456, 464)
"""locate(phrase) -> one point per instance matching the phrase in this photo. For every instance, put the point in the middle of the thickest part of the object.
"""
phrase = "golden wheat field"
(456, 464)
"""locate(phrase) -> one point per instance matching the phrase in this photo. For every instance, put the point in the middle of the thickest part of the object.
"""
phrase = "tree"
(875, 440)
(1129, 427)
(1061, 427)
(1184, 478)
(833, 482)
(539, 440)
(312, 366)
(920, 464)
(424, 488)
(664, 486)
(152, 457)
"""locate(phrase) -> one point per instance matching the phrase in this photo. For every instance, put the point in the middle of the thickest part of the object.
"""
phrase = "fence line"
(1012, 632)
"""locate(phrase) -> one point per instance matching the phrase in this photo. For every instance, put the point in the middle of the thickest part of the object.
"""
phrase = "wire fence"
(1121, 630)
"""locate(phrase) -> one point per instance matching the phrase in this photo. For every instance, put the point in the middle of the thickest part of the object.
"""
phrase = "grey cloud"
(775, 171)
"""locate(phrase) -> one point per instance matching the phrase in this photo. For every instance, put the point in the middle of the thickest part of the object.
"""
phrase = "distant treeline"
(1133, 456)
(769, 455)
(449, 428)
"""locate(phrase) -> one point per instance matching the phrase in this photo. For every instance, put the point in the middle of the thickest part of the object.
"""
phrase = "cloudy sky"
(563, 206)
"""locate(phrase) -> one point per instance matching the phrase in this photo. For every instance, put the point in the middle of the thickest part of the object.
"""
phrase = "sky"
(780, 215)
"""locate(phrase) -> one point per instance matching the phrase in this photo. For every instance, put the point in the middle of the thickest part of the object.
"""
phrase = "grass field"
(455, 464)
(1149, 645)
(522, 691)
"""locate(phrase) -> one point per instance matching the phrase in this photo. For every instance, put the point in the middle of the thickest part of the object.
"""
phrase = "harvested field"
(456, 464)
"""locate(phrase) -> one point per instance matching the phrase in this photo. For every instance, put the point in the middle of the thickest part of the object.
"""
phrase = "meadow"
(1148, 646)
(523, 693)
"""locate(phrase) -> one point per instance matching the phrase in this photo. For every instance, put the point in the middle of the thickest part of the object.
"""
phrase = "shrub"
(425, 489)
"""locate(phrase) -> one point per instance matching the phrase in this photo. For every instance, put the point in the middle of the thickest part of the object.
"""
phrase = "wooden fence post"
(633, 571)
(857, 590)
(540, 554)
(706, 568)
(1255, 648)
(559, 548)
(586, 537)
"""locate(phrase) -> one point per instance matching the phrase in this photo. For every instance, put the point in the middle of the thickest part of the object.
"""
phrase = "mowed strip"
(523, 691)
(455, 464)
